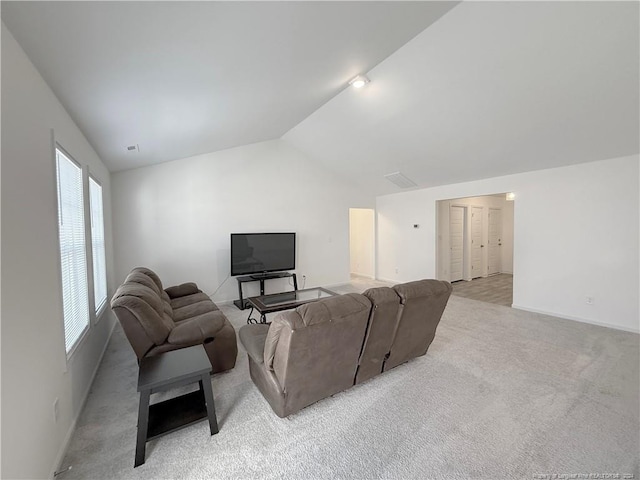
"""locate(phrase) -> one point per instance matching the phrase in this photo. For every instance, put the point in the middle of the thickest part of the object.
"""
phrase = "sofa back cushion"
(314, 350)
(383, 320)
(146, 305)
(422, 305)
(156, 280)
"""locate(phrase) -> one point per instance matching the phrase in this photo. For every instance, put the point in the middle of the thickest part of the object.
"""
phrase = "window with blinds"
(97, 243)
(75, 296)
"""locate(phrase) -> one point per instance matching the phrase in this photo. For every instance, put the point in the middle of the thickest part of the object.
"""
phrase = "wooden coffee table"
(277, 302)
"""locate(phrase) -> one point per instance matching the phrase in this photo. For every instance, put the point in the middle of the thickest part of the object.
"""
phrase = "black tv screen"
(257, 253)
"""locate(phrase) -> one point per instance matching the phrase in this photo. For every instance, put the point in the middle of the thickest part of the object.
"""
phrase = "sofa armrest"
(253, 338)
(197, 329)
(182, 290)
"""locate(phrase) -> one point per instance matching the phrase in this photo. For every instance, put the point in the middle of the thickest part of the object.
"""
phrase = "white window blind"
(75, 296)
(97, 243)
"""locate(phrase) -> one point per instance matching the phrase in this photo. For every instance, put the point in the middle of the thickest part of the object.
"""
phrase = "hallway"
(496, 289)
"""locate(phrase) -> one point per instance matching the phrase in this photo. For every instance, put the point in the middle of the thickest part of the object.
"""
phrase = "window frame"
(85, 331)
(98, 312)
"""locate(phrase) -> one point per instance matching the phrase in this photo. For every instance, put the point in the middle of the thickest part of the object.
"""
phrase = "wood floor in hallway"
(496, 289)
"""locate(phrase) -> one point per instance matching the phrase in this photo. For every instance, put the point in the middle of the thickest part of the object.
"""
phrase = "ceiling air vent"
(400, 180)
(133, 148)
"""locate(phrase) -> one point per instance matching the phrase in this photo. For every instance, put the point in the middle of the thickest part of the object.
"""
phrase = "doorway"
(475, 247)
(362, 242)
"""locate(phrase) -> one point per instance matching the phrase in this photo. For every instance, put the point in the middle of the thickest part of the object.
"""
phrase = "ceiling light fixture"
(359, 81)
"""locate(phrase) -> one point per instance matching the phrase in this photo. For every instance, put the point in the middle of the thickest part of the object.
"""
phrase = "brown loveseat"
(157, 320)
(327, 346)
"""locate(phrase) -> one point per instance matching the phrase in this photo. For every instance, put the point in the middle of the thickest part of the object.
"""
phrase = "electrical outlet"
(56, 411)
(397, 270)
(590, 300)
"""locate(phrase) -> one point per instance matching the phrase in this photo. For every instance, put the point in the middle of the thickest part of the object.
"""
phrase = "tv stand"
(241, 303)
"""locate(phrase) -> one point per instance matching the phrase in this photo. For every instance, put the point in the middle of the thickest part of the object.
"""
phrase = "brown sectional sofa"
(327, 346)
(156, 320)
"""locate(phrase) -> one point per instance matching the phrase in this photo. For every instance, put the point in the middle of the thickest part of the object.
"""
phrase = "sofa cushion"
(139, 277)
(144, 303)
(190, 299)
(181, 290)
(423, 303)
(424, 288)
(197, 329)
(253, 338)
(273, 335)
(192, 310)
(151, 274)
(331, 309)
(383, 321)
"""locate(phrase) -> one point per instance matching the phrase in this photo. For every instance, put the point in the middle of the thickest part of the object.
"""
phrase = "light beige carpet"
(501, 394)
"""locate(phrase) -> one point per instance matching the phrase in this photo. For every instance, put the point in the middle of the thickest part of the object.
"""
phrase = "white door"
(495, 241)
(476, 242)
(456, 242)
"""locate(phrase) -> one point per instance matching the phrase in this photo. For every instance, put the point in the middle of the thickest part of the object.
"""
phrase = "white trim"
(67, 439)
(84, 174)
(100, 313)
(88, 242)
(56, 202)
(576, 319)
(386, 280)
(362, 275)
(95, 313)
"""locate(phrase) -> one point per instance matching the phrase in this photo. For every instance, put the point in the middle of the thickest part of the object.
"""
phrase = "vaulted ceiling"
(184, 78)
(490, 89)
(458, 91)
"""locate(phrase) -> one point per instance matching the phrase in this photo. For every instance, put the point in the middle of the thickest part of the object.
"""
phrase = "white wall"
(34, 368)
(362, 241)
(176, 217)
(486, 202)
(576, 234)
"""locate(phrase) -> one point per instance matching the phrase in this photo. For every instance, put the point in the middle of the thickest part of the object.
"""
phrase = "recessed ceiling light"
(359, 82)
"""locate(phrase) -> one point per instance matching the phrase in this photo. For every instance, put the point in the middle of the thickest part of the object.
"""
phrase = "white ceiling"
(492, 88)
(489, 89)
(184, 78)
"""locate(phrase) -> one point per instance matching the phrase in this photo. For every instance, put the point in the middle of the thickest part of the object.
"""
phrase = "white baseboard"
(224, 302)
(576, 319)
(67, 439)
(363, 275)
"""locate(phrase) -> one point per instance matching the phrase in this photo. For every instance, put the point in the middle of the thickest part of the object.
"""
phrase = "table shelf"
(176, 413)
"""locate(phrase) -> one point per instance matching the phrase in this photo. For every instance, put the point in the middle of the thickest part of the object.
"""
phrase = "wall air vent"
(133, 148)
(400, 180)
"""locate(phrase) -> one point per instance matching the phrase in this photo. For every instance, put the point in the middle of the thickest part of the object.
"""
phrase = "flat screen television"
(261, 253)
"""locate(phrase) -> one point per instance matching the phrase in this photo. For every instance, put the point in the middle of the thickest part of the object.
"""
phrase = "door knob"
(481, 246)
(499, 244)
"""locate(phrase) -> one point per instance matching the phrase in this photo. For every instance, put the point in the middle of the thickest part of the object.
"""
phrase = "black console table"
(242, 303)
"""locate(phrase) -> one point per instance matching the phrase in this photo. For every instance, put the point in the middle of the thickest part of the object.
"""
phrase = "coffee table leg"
(249, 319)
(205, 386)
(143, 424)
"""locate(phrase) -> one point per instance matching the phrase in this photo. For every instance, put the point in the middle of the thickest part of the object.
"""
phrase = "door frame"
(466, 249)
